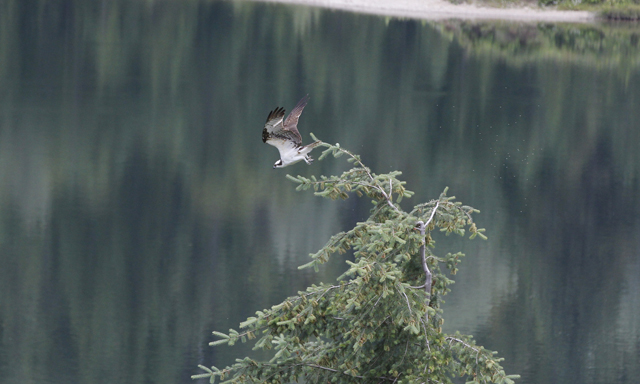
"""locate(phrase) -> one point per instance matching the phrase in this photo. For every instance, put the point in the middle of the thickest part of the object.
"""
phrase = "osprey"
(284, 135)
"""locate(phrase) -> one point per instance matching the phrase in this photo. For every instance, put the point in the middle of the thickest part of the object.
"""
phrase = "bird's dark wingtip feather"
(276, 113)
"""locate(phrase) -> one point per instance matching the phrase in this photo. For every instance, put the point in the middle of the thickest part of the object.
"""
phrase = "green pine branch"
(381, 322)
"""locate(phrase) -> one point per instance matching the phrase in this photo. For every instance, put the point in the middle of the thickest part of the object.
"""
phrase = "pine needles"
(382, 320)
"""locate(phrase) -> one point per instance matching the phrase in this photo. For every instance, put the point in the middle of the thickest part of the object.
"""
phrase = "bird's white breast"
(291, 155)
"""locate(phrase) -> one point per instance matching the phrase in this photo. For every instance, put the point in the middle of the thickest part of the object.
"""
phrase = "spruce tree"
(381, 322)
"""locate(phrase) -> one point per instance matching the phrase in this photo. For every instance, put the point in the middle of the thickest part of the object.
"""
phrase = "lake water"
(139, 210)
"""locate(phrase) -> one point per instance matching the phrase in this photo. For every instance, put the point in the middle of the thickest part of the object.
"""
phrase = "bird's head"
(278, 164)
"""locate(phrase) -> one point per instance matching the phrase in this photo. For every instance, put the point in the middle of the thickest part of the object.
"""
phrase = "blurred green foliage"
(627, 12)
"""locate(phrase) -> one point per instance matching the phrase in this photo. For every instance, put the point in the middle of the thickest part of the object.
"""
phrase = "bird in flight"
(283, 134)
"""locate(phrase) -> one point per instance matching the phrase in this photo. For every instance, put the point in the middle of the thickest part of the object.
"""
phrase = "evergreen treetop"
(382, 320)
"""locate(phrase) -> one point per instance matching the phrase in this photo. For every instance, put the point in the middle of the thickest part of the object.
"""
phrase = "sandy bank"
(442, 10)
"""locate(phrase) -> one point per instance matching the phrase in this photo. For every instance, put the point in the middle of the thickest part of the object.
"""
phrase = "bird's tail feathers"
(308, 148)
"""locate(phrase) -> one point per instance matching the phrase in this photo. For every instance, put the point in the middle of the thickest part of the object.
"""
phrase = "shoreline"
(444, 10)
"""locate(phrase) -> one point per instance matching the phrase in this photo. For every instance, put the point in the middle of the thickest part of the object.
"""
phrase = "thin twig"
(432, 214)
(336, 371)
(407, 299)
(294, 299)
(325, 368)
(406, 348)
(421, 226)
(376, 185)
(427, 273)
(426, 339)
(476, 350)
(378, 300)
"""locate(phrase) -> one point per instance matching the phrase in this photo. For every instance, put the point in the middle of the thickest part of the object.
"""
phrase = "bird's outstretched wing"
(273, 124)
(281, 134)
(291, 123)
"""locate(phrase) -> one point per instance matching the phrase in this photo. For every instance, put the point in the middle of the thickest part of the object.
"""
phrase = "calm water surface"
(139, 211)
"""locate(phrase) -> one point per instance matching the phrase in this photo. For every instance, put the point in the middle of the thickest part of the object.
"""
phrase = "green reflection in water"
(139, 210)
(593, 45)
